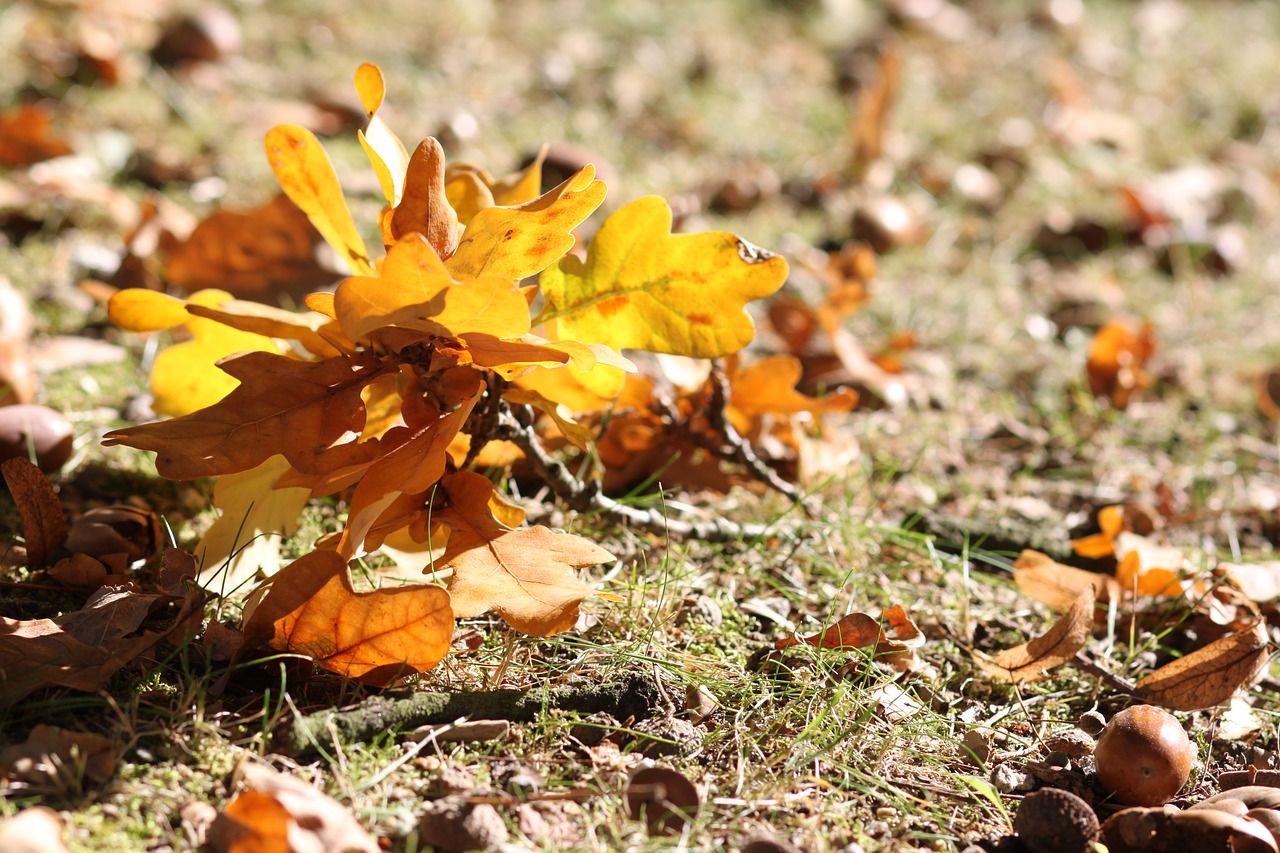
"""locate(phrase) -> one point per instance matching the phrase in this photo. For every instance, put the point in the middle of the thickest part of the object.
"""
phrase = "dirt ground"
(1020, 175)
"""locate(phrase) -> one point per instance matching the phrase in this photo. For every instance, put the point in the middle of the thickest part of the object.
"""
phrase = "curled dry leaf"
(43, 526)
(277, 812)
(1032, 660)
(58, 758)
(661, 797)
(1209, 676)
(376, 637)
(1049, 582)
(1268, 387)
(895, 645)
(1168, 830)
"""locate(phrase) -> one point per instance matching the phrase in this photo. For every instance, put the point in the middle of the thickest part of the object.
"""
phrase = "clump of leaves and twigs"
(445, 358)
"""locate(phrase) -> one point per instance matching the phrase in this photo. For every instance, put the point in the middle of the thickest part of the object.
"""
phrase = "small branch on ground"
(635, 695)
(586, 497)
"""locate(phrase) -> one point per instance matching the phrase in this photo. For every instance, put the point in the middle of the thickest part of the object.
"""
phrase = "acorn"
(1144, 756)
(39, 431)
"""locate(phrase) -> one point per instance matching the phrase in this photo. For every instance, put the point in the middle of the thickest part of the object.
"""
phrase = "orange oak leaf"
(517, 242)
(300, 409)
(26, 137)
(1210, 675)
(769, 387)
(424, 208)
(255, 254)
(859, 630)
(526, 576)
(310, 608)
(416, 291)
(1032, 660)
(278, 812)
(415, 462)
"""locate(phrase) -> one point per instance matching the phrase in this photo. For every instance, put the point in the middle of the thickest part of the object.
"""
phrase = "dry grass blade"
(1032, 660)
(1209, 676)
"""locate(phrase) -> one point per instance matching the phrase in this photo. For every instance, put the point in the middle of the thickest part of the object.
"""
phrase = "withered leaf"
(526, 576)
(49, 751)
(1210, 675)
(424, 207)
(253, 254)
(860, 630)
(1049, 582)
(83, 649)
(310, 608)
(300, 409)
(26, 137)
(42, 523)
(279, 812)
(1031, 661)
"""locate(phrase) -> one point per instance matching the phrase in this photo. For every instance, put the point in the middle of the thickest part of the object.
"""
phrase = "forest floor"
(1024, 175)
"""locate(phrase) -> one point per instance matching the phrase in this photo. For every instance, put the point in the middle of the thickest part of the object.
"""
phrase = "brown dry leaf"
(79, 570)
(867, 127)
(57, 758)
(1268, 390)
(859, 631)
(1032, 660)
(26, 137)
(301, 409)
(83, 649)
(1210, 675)
(33, 830)
(1117, 355)
(375, 637)
(252, 254)
(1049, 582)
(43, 526)
(526, 576)
(279, 813)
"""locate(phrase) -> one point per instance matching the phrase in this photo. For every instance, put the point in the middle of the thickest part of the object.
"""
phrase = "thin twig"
(586, 497)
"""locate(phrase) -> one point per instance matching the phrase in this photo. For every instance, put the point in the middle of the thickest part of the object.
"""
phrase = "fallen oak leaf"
(860, 630)
(52, 756)
(1117, 355)
(83, 649)
(26, 137)
(1042, 578)
(310, 608)
(1210, 675)
(1031, 661)
(278, 813)
(44, 529)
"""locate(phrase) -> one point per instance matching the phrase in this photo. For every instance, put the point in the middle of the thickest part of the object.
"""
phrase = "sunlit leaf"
(423, 207)
(1032, 660)
(1044, 579)
(1211, 675)
(645, 288)
(306, 175)
(310, 608)
(517, 242)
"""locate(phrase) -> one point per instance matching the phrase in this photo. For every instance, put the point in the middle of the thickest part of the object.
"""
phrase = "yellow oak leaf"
(377, 637)
(271, 322)
(471, 189)
(183, 379)
(416, 291)
(517, 242)
(306, 175)
(303, 409)
(386, 152)
(645, 288)
(526, 576)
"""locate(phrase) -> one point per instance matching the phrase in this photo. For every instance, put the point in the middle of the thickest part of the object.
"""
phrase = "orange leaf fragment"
(26, 137)
(1211, 675)
(1044, 579)
(377, 637)
(1117, 355)
(1032, 660)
